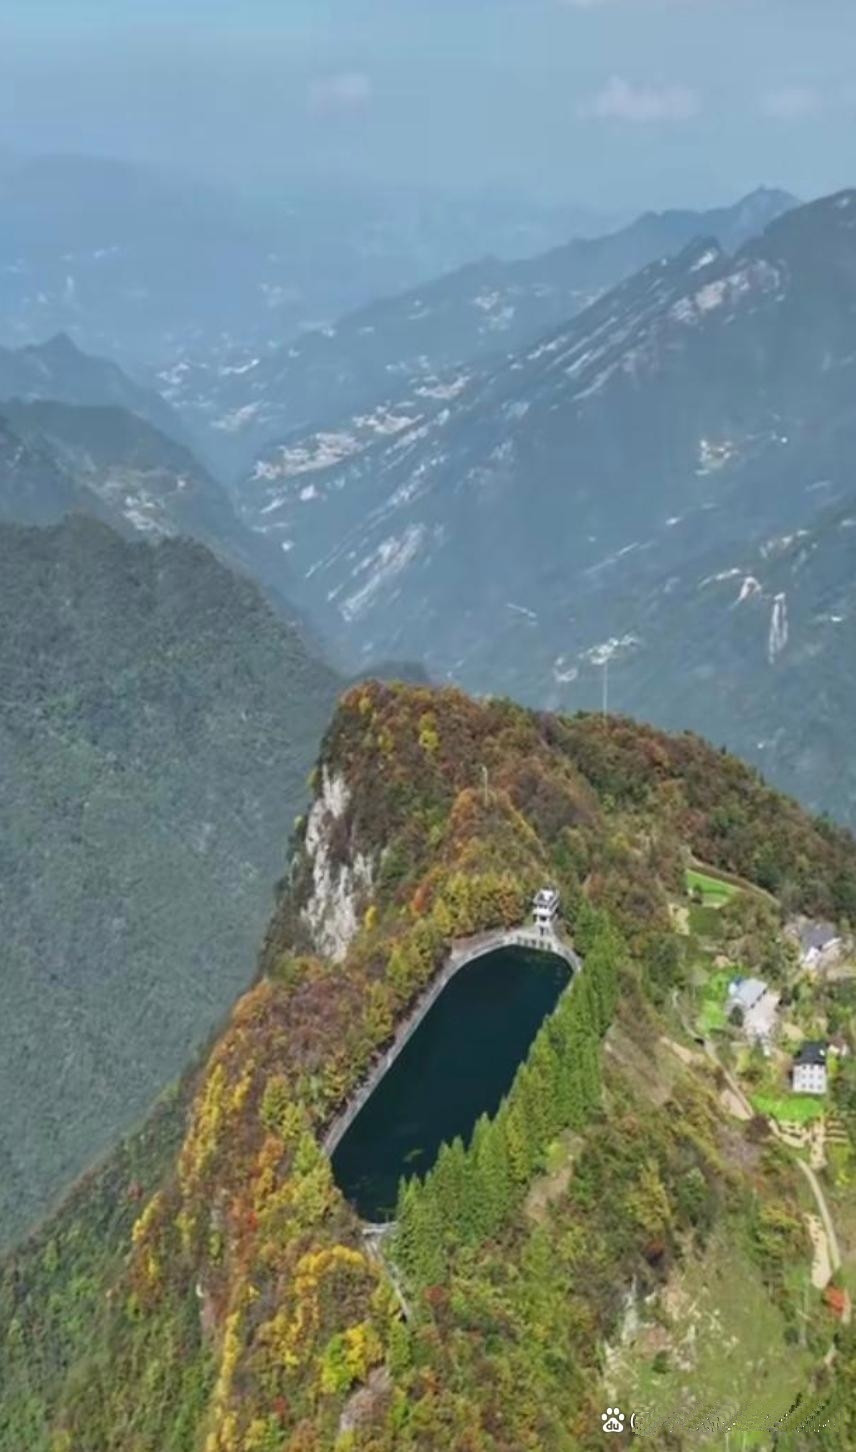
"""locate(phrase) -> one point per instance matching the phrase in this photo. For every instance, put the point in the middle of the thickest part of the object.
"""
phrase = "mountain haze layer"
(149, 265)
(406, 345)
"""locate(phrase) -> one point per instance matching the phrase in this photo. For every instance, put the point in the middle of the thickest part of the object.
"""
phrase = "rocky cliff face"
(338, 887)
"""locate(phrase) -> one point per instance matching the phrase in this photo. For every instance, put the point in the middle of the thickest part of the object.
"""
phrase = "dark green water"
(458, 1064)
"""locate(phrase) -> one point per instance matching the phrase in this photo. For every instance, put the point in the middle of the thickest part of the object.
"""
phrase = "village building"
(809, 1074)
(744, 993)
(818, 943)
(758, 1005)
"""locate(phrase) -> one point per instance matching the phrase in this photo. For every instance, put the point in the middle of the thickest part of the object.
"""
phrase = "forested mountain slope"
(157, 723)
(108, 461)
(224, 1298)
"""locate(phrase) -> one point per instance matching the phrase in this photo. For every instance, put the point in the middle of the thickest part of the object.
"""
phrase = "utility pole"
(606, 688)
(485, 779)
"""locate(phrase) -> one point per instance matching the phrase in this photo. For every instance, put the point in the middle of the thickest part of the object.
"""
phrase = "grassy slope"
(248, 1313)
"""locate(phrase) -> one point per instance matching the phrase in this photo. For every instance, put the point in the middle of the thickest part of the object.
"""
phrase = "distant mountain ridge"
(103, 460)
(402, 343)
(58, 370)
(150, 265)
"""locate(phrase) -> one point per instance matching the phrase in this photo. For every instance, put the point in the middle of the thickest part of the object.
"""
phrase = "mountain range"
(616, 474)
(421, 342)
(656, 483)
(147, 265)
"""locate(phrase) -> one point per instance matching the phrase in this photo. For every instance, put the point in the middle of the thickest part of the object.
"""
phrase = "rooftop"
(746, 991)
(812, 1052)
(817, 935)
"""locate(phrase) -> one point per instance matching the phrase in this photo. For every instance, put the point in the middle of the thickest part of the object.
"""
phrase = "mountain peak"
(768, 196)
(60, 347)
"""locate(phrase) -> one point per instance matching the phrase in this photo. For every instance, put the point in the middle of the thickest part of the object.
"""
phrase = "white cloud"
(791, 103)
(345, 91)
(619, 100)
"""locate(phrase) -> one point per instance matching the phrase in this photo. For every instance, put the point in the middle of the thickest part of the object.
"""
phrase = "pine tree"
(481, 1223)
(431, 1262)
(518, 1146)
(495, 1172)
(449, 1185)
(407, 1226)
(547, 1071)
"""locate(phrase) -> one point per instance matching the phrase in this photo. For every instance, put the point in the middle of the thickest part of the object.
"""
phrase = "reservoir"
(457, 1065)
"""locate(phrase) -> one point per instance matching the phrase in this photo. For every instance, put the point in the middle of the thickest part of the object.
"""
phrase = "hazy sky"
(611, 103)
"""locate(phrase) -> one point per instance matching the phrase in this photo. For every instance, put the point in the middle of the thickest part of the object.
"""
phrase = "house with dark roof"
(809, 1074)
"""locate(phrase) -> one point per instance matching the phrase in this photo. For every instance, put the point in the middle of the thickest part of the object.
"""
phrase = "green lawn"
(715, 892)
(799, 1108)
(704, 923)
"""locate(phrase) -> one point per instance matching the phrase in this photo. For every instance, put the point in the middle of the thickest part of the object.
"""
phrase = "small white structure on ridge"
(545, 908)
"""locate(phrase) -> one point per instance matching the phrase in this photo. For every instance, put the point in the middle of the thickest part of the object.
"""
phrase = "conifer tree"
(406, 1226)
(448, 1183)
(491, 1174)
(547, 1070)
(518, 1146)
(496, 1171)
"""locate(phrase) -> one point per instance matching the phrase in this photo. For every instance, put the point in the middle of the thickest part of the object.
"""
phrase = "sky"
(611, 104)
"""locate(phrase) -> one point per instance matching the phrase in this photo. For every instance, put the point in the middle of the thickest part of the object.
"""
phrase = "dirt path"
(733, 1103)
(735, 1106)
(686, 1056)
(821, 1269)
(817, 1191)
